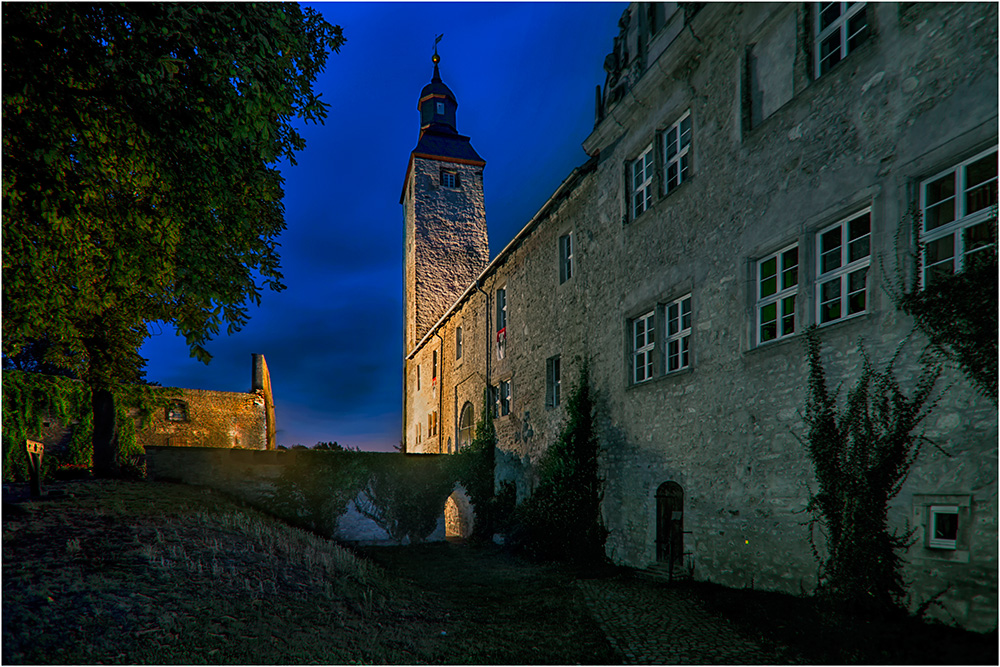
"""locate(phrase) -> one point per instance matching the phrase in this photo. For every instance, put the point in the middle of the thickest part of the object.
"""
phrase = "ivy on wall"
(861, 453)
(475, 467)
(562, 518)
(32, 399)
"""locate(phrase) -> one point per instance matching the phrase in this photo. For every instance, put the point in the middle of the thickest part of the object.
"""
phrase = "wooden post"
(35, 451)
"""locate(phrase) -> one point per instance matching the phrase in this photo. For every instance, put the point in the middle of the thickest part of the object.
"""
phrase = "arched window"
(466, 425)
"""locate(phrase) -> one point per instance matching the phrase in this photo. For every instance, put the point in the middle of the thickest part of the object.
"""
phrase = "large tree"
(140, 181)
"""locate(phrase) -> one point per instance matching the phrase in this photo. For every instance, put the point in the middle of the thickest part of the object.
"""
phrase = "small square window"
(449, 179)
(177, 412)
(943, 527)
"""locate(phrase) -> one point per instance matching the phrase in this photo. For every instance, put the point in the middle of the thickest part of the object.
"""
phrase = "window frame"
(780, 296)
(682, 336)
(449, 178)
(553, 382)
(961, 222)
(647, 159)
(468, 429)
(681, 157)
(647, 349)
(501, 302)
(934, 511)
(844, 271)
(458, 343)
(434, 366)
(565, 257)
(840, 27)
(504, 398)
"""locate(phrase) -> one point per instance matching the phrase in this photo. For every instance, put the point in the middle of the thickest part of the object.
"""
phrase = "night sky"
(524, 75)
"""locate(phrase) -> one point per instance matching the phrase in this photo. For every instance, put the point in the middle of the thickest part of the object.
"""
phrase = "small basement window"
(943, 528)
(177, 412)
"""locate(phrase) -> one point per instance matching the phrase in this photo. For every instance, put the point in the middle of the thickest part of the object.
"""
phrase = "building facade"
(755, 169)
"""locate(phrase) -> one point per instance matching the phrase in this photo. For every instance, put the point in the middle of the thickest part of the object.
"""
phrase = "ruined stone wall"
(199, 418)
(777, 156)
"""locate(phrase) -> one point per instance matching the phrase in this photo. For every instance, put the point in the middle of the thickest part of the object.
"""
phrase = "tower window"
(440, 107)
(449, 179)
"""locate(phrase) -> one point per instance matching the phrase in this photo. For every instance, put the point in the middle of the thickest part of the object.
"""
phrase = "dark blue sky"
(524, 75)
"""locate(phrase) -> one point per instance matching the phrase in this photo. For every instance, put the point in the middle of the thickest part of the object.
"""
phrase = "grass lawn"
(152, 573)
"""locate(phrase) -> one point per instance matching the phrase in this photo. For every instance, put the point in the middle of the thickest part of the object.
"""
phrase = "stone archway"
(459, 516)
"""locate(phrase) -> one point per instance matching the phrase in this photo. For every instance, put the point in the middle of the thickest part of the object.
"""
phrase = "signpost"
(35, 452)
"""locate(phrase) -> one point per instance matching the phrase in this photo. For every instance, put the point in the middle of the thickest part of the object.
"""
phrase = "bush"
(562, 518)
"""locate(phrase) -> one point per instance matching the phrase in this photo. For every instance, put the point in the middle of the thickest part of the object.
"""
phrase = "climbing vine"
(957, 312)
(32, 399)
(861, 453)
(562, 518)
(475, 466)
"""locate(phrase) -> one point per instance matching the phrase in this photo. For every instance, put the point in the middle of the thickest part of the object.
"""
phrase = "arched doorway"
(670, 524)
(459, 517)
(466, 425)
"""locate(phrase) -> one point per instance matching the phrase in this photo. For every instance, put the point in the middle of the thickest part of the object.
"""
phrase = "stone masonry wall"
(210, 419)
(446, 241)
(777, 155)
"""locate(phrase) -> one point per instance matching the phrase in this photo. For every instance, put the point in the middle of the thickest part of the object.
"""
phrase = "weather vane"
(436, 58)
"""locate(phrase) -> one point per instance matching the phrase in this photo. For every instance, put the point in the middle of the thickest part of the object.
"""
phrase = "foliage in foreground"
(31, 399)
(562, 518)
(140, 184)
(475, 467)
(861, 454)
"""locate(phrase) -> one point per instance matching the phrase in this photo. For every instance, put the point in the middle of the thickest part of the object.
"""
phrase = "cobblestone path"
(650, 623)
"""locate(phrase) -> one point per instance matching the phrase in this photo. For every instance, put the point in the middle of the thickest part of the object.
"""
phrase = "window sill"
(661, 378)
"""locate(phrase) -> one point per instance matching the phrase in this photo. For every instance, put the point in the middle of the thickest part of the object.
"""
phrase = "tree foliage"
(476, 465)
(562, 518)
(140, 180)
(861, 454)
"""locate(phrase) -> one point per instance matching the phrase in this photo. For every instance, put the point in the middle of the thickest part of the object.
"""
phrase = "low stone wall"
(315, 489)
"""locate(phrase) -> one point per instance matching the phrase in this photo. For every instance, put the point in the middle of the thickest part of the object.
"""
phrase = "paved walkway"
(650, 623)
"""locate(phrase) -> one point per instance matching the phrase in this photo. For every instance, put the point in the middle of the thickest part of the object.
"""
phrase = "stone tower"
(446, 246)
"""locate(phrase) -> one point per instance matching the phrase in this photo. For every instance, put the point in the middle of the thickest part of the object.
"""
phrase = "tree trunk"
(105, 433)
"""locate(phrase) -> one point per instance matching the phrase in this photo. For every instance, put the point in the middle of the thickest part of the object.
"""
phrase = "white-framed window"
(553, 382)
(643, 346)
(501, 308)
(449, 178)
(641, 183)
(678, 333)
(956, 208)
(458, 343)
(943, 527)
(840, 28)
(843, 255)
(777, 279)
(676, 147)
(565, 257)
(504, 397)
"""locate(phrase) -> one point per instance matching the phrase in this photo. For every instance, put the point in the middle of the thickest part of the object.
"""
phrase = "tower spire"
(436, 58)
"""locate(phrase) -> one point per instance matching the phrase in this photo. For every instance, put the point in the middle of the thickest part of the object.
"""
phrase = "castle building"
(755, 169)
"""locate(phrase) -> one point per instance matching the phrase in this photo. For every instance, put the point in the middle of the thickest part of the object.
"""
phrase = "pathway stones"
(650, 623)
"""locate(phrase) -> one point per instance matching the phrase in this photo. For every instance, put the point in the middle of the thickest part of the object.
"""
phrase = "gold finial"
(436, 58)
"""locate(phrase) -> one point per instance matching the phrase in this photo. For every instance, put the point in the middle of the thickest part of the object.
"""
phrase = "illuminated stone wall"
(777, 155)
